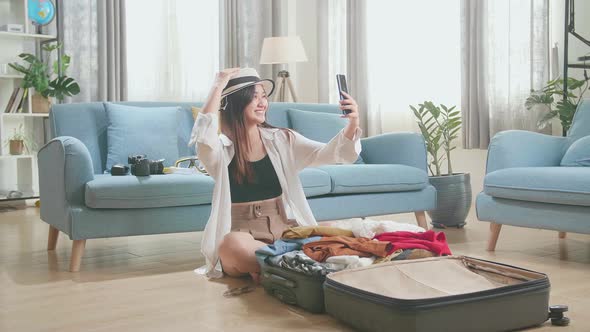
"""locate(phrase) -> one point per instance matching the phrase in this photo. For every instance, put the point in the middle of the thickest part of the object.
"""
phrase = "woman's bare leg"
(236, 252)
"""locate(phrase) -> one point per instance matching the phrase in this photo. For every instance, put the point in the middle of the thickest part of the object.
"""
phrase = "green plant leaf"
(65, 64)
(30, 58)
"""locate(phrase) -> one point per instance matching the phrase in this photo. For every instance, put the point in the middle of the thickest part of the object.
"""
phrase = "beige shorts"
(265, 220)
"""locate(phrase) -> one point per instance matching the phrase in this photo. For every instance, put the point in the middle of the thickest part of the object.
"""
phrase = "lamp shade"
(282, 50)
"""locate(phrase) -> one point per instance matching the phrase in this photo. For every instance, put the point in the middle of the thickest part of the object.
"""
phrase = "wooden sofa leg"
(421, 219)
(494, 233)
(77, 253)
(52, 238)
(562, 235)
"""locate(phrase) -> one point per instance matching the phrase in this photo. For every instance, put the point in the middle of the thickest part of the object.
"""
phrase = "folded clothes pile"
(320, 250)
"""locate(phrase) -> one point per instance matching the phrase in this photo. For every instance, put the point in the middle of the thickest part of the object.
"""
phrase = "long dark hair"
(233, 125)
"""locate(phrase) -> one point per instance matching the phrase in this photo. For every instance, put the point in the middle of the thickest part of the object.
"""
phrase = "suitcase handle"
(280, 280)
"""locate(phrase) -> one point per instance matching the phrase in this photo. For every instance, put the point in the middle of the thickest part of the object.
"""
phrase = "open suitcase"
(438, 294)
(452, 293)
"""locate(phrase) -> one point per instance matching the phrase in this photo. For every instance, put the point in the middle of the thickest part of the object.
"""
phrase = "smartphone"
(342, 86)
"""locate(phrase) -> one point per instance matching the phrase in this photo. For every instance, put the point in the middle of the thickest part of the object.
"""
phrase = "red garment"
(429, 240)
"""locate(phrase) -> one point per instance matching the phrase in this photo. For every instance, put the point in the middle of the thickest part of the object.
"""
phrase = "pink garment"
(429, 240)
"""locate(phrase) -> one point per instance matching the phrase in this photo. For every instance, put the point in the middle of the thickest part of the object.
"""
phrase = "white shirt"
(288, 158)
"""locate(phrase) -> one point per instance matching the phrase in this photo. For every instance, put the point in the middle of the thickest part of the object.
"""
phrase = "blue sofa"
(539, 181)
(78, 199)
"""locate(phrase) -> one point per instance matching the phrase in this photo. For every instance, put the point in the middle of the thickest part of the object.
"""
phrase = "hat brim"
(267, 84)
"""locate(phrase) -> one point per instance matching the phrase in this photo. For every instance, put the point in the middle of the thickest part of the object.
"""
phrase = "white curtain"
(505, 51)
(331, 47)
(518, 51)
(172, 49)
(413, 56)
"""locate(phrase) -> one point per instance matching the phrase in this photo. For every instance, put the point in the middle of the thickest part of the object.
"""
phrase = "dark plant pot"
(453, 200)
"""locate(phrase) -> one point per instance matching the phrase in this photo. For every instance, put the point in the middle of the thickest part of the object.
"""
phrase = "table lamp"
(278, 50)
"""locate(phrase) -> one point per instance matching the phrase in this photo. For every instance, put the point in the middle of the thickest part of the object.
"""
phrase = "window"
(172, 49)
(413, 55)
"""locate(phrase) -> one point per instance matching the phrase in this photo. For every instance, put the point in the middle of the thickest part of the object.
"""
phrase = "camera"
(141, 166)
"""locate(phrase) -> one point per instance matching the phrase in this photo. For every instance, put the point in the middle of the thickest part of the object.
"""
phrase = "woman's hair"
(233, 125)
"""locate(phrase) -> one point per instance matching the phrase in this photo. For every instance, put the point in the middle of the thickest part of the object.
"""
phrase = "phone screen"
(342, 87)
(341, 80)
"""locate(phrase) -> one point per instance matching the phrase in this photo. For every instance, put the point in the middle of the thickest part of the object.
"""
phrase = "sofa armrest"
(65, 166)
(395, 148)
(520, 148)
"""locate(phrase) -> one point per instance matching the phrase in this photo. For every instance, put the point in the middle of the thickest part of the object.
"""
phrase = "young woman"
(255, 166)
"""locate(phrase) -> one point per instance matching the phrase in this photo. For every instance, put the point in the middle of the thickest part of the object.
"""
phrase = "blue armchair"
(538, 181)
(78, 199)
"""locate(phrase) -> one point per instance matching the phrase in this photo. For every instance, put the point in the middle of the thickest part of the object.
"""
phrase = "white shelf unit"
(24, 35)
(18, 172)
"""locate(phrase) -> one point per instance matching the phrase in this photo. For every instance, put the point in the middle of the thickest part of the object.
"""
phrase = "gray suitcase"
(452, 293)
(293, 287)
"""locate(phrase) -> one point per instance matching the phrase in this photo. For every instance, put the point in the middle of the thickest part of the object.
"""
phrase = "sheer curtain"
(413, 56)
(505, 52)
(172, 49)
(332, 49)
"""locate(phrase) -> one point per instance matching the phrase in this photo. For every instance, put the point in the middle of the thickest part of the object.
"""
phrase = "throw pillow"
(578, 154)
(318, 126)
(141, 130)
(196, 111)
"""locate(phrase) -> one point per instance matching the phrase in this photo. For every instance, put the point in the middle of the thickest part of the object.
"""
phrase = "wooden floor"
(147, 283)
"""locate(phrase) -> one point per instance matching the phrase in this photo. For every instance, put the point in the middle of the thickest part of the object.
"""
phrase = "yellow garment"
(196, 111)
(303, 232)
(389, 257)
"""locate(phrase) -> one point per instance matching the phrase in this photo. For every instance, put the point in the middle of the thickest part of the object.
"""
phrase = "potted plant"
(439, 126)
(48, 81)
(19, 142)
(562, 108)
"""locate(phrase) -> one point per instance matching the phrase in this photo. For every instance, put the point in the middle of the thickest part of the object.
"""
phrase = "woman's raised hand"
(224, 76)
(350, 105)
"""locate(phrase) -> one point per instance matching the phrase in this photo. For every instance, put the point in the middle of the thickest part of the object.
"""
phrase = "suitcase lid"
(431, 279)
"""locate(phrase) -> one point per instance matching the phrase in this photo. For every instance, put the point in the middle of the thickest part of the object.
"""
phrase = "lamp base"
(284, 83)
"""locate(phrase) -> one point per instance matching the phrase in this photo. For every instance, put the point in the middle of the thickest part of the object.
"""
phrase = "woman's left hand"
(349, 104)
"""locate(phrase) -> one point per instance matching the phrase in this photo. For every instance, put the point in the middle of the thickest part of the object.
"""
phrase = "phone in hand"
(342, 87)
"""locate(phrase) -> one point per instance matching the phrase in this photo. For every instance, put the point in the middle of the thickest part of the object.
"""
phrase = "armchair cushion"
(520, 148)
(348, 179)
(318, 126)
(153, 133)
(558, 185)
(129, 192)
(578, 154)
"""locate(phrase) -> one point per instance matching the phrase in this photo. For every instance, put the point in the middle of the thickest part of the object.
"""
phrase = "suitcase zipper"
(432, 303)
(525, 287)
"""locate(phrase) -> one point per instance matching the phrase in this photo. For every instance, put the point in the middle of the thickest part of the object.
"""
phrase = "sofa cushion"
(125, 192)
(349, 179)
(321, 127)
(558, 185)
(141, 130)
(578, 154)
(315, 182)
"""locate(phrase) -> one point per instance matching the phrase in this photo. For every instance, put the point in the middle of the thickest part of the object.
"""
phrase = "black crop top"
(266, 183)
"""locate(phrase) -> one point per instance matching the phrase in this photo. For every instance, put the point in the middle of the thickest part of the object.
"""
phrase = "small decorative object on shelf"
(19, 142)
(47, 82)
(41, 12)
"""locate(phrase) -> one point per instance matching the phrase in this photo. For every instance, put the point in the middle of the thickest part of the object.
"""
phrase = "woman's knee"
(236, 252)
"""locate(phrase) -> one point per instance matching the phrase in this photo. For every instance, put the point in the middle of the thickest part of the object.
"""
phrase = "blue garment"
(285, 245)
